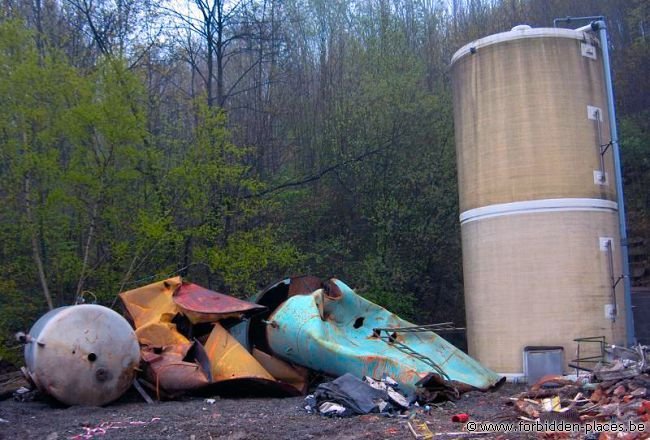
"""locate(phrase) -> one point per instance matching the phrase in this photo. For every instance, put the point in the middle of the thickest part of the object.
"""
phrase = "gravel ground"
(246, 418)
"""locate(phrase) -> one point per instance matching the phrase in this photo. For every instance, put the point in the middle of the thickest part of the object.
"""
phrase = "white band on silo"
(534, 206)
(522, 34)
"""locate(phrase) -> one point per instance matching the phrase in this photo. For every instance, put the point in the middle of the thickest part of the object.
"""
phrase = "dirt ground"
(193, 418)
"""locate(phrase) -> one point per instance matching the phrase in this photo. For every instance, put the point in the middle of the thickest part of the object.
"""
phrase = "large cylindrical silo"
(538, 204)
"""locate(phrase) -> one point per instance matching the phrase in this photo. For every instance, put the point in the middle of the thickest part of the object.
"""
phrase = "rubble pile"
(192, 338)
(185, 342)
(188, 338)
(623, 398)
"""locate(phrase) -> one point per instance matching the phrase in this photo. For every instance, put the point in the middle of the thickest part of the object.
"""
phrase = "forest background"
(240, 141)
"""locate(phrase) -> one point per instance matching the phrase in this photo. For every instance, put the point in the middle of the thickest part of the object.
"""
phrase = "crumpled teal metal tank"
(336, 331)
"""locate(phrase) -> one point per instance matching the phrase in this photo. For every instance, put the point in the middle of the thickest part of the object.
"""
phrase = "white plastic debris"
(331, 408)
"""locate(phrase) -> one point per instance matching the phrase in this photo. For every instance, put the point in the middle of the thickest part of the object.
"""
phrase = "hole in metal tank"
(92, 357)
(102, 375)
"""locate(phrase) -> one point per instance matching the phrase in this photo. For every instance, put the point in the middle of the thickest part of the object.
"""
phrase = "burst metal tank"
(538, 204)
(82, 354)
(336, 331)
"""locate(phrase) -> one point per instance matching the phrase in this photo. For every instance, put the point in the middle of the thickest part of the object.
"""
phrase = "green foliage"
(635, 151)
(379, 282)
(82, 179)
(252, 258)
(334, 155)
(387, 224)
(216, 213)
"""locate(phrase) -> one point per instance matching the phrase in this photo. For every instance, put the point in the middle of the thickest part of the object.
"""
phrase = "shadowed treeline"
(239, 142)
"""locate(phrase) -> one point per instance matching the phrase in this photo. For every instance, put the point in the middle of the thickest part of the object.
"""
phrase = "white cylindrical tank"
(537, 198)
(82, 355)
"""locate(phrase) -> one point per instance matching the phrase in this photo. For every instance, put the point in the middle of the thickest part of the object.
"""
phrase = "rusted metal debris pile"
(619, 392)
(183, 331)
(192, 338)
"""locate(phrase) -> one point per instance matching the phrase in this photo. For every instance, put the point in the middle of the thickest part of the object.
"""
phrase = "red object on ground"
(460, 418)
(644, 408)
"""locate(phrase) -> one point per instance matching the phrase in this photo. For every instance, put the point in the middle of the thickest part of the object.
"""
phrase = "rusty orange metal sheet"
(161, 334)
(282, 371)
(168, 371)
(152, 303)
(230, 360)
(175, 362)
(304, 285)
(203, 305)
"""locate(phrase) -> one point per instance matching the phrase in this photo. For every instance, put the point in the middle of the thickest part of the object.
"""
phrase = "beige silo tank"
(537, 203)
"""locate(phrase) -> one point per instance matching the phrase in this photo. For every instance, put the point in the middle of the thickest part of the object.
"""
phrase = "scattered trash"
(460, 418)
(10, 382)
(387, 384)
(23, 394)
(331, 408)
(551, 404)
(391, 431)
(142, 392)
(623, 363)
(348, 395)
(102, 429)
(622, 398)
(420, 430)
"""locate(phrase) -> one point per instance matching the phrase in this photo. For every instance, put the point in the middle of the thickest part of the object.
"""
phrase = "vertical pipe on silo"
(601, 27)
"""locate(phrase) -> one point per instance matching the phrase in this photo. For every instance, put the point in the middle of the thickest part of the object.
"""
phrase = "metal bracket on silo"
(599, 26)
(596, 114)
